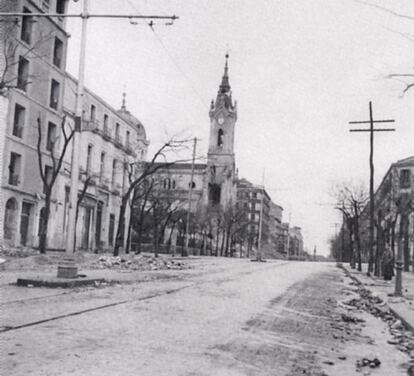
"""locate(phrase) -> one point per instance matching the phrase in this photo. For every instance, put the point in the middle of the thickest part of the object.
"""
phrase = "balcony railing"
(118, 141)
(106, 134)
(91, 125)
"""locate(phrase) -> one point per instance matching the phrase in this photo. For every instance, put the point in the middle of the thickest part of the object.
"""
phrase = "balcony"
(118, 141)
(106, 134)
(91, 125)
(128, 148)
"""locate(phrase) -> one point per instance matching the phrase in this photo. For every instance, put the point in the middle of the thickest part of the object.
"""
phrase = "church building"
(214, 182)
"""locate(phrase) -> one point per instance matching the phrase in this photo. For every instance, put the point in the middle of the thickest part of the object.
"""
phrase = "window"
(220, 138)
(114, 162)
(102, 167)
(22, 73)
(18, 122)
(15, 168)
(191, 185)
(127, 138)
(214, 193)
(48, 176)
(93, 112)
(105, 122)
(405, 176)
(51, 136)
(173, 184)
(58, 53)
(117, 132)
(27, 27)
(60, 6)
(111, 229)
(88, 159)
(54, 94)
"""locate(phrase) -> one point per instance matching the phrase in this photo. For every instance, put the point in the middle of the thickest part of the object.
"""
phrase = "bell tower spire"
(220, 158)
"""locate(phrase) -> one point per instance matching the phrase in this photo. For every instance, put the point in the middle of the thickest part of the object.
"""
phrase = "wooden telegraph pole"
(185, 251)
(371, 130)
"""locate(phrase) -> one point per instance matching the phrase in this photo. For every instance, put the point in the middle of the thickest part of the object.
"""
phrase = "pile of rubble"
(403, 339)
(138, 262)
(17, 252)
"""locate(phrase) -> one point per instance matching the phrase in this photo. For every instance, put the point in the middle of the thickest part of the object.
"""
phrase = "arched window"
(173, 184)
(10, 216)
(220, 138)
(192, 185)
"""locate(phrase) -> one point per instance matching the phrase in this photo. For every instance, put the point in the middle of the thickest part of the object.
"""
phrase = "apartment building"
(37, 103)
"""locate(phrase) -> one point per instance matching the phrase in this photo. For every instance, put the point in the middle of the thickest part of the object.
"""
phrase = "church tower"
(220, 158)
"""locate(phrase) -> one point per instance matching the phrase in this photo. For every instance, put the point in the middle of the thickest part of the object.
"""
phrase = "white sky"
(299, 70)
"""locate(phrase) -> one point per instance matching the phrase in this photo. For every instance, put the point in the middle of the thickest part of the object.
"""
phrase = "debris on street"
(138, 262)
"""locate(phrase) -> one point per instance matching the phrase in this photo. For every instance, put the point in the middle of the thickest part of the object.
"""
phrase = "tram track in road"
(148, 296)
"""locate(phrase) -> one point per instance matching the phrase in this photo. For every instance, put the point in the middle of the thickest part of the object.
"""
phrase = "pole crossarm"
(374, 121)
(374, 130)
(371, 131)
(88, 15)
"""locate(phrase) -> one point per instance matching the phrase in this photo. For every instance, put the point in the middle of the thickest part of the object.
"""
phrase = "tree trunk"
(217, 241)
(45, 222)
(119, 240)
(406, 244)
(358, 244)
(128, 244)
(223, 238)
(351, 242)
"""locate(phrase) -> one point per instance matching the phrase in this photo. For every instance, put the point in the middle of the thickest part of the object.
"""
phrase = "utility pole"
(185, 252)
(259, 240)
(85, 15)
(371, 130)
(74, 175)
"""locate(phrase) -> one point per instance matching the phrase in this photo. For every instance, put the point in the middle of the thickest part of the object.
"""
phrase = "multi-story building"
(33, 75)
(39, 98)
(295, 242)
(255, 201)
(393, 197)
(276, 238)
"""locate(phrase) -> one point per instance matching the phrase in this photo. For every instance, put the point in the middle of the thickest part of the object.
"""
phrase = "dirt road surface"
(232, 317)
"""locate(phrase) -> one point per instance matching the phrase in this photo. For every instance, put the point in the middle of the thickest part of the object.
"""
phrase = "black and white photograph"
(206, 187)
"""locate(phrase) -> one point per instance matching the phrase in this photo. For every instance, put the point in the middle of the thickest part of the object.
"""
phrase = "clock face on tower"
(220, 120)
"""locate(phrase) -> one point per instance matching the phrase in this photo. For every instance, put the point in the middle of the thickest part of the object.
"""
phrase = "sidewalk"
(403, 307)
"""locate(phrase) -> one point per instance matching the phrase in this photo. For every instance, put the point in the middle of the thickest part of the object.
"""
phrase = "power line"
(202, 100)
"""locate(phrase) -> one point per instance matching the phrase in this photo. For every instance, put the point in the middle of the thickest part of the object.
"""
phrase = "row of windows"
(23, 80)
(106, 128)
(15, 171)
(27, 29)
(116, 165)
(19, 122)
(26, 35)
(171, 184)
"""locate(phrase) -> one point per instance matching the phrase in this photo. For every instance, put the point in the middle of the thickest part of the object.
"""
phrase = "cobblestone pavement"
(244, 318)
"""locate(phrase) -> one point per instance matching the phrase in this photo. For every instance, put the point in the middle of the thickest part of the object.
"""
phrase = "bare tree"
(145, 170)
(49, 173)
(351, 200)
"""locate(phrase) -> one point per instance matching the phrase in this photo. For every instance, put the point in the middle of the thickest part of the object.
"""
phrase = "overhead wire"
(151, 25)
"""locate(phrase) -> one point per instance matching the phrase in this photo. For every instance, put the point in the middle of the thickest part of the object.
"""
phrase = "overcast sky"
(299, 70)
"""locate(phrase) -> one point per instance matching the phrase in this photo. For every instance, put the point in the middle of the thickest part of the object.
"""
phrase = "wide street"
(232, 317)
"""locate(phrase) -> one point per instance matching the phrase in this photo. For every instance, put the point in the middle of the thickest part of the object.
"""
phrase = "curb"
(405, 323)
(27, 282)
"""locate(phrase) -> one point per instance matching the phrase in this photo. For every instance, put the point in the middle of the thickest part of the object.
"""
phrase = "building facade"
(39, 98)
